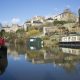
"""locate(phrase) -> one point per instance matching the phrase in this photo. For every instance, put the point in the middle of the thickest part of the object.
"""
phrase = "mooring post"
(79, 16)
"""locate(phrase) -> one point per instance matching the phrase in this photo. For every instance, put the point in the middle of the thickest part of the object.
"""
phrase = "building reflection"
(55, 57)
(3, 60)
(35, 56)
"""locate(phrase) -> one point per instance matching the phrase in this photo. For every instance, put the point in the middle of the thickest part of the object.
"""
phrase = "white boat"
(70, 41)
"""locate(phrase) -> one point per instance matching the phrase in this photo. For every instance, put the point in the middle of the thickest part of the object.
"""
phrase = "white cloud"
(15, 20)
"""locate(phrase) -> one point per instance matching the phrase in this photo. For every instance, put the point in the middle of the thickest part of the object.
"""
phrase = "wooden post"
(79, 16)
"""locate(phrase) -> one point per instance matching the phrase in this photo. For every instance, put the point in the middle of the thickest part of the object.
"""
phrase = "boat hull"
(3, 48)
(69, 44)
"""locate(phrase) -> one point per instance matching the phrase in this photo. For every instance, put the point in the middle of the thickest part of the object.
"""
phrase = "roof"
(49, 18)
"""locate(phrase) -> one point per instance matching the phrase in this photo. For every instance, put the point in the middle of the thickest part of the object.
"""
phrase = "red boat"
(2, 43)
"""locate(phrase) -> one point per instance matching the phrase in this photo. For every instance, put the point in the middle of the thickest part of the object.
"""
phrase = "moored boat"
(35, 43)
(70, 41)
(2, 44)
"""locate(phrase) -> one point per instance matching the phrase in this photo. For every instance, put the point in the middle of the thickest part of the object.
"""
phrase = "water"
(44, 64)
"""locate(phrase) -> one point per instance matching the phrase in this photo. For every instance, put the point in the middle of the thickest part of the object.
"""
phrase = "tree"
(2, 33)
(56, 22)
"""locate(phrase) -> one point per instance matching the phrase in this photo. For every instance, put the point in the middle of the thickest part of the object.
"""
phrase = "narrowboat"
(3, 61)
(3, 44)
(34, 43)
(70, 41)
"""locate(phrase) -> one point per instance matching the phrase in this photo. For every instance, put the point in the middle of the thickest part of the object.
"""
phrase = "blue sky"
(25, 9)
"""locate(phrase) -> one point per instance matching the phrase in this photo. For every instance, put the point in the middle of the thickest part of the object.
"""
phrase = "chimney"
(79, 16)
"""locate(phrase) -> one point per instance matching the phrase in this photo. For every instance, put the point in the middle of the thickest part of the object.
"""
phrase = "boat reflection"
(71, 51)
(3, 60)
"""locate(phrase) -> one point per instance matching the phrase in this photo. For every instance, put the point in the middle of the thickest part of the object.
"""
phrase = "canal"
(53, 63)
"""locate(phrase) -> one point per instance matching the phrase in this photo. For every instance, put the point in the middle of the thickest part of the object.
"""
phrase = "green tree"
(56, 22)
(2, 33)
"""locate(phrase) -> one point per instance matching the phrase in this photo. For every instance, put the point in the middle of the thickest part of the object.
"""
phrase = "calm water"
(45, 64)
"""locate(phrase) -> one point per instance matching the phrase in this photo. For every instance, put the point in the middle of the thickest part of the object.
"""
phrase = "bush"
(46, 38)
(32, 32)
(59, 22)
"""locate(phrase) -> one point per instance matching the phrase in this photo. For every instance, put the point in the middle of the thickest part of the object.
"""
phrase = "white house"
(12, 28)
(25, 26)
(47, 30)
(67, 15)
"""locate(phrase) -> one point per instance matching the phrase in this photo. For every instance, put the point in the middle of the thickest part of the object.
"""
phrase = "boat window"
(31, 47)
(73, 38)
(64, 39)
(31, 40)
(41, 42)
(78, 38)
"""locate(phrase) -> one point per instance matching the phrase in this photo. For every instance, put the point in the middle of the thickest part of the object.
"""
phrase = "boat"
(3, 44)
(70, 41)
(3, 61)
(71, 51)
(34, 43)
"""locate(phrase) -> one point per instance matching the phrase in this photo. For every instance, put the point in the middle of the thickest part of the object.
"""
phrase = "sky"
(22, 10)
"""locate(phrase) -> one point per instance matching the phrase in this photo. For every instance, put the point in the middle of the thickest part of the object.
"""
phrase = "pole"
(79, 16)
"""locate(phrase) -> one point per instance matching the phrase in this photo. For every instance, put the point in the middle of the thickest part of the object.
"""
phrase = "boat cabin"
(70, 39)
(35, 43)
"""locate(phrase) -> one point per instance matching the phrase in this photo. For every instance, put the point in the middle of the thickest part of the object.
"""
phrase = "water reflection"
(3, 60)
(54, 60)
(48, 54)
(57, 57)
(71, 51)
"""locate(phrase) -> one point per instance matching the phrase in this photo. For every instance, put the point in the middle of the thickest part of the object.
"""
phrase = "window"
(31, 40)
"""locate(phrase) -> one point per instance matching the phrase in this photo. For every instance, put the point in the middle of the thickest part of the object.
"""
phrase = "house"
(66, 15)
(35, 21)
(15, 27)
(11, 28)
(6, 29)
(25, 26)
(48, 30)
(40, 18)
(50, 19)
